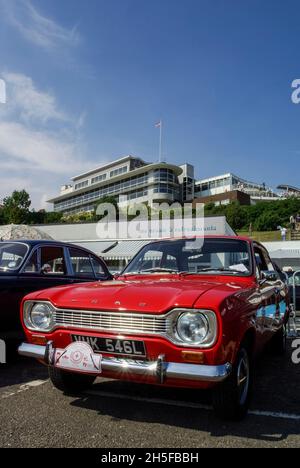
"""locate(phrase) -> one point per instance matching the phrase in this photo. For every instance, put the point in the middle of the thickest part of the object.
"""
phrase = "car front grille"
(111, 321)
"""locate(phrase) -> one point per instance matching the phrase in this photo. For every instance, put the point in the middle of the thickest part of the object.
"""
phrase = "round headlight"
(192, 328)
(41, 316)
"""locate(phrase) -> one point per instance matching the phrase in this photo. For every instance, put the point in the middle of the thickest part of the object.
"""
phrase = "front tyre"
(279, 342)
(68, 382)
(231, 398)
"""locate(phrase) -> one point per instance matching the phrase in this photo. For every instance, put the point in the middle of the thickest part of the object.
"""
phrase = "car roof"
(33, 243)
(242, 238)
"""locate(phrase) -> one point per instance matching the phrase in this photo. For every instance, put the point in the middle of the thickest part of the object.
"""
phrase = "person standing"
(293, 222)
(283, 231)
(250, 230)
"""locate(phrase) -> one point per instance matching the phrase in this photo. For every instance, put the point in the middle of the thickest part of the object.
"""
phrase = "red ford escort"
(184, 313)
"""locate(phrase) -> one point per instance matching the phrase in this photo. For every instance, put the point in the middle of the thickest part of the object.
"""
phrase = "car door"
(280, 296)
(11, 291)
(272, 294)
(47, 268)
(10, 326)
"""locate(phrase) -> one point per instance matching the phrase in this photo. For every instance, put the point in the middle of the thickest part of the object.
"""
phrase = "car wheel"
(68, 382)
(231, 398)
(279, 342)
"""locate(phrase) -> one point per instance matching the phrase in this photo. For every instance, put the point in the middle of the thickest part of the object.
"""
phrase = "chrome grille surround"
(123, 322)
(132, 323)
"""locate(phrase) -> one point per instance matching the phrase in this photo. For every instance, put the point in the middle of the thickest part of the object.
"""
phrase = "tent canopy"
(125, 250)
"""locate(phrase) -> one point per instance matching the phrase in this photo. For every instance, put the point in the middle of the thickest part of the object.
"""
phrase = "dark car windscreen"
(200, 256)
(12, 255)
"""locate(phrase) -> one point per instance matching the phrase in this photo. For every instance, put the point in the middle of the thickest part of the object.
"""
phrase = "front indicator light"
(194, 357)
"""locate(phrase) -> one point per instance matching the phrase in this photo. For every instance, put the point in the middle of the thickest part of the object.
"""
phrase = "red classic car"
(184, 313)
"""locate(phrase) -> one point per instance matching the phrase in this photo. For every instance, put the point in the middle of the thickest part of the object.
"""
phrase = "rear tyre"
(231, 398)
(279, 342)
(68, 382)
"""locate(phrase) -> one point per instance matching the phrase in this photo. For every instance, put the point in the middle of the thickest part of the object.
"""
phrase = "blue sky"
(86, 82)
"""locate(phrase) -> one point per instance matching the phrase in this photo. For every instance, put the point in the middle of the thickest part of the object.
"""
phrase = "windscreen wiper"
(151, 270)
(205, 270)
(159, 270)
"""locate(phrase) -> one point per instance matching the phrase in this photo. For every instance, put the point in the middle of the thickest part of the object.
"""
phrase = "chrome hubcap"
(243, 377)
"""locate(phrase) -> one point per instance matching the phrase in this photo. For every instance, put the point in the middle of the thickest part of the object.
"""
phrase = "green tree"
(268, 221)
(236, 215)
(52, 217)
(2, 216)
(16, 207)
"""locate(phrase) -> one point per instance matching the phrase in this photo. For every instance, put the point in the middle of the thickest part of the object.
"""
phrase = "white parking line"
(187, 404)
(23, 388)
(271, 414)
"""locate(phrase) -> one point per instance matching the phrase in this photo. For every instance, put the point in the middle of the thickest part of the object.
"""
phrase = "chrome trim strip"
(160, 369)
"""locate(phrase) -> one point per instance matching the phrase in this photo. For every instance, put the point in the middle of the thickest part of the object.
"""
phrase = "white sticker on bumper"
(78, 357)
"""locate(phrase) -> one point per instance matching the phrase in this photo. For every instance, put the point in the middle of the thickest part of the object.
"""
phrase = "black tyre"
(279, 342)
(231, 398)
(68, 382)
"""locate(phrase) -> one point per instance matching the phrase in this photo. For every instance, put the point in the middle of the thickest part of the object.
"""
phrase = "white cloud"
(2, 92)
(40, 145)
(37, 150)
(37, 28)
(18, 183)
(30, 102)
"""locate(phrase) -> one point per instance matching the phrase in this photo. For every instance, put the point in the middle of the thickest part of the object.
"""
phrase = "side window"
(53, 261)
(31, 265)
(98, 267)
(261, 264)
(81, 263)
(269, 262)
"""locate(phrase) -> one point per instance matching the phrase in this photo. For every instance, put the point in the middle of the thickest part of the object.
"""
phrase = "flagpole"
(160, 141)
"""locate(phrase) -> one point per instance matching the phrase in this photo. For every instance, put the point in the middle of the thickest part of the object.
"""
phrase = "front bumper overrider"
(161, 370)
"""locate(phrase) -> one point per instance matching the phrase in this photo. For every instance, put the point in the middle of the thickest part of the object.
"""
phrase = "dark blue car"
(27, 266)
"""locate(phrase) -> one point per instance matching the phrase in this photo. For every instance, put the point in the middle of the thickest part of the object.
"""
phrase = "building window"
(164, 189)
(119, 171)
(99, 178)
(116, 188)
(164, 175)
(81, 185)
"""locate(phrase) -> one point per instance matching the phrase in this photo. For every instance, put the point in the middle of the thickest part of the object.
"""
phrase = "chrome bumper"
(160, 369)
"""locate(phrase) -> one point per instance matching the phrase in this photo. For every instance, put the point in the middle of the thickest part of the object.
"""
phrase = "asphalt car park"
(115, 414)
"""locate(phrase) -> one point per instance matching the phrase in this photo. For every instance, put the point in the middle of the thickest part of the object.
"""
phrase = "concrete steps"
(295, 235)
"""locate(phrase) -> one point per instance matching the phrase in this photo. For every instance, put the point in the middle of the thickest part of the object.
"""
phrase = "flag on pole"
(160, 126)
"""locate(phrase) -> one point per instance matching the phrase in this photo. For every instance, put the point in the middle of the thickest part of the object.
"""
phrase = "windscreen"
(227, 256)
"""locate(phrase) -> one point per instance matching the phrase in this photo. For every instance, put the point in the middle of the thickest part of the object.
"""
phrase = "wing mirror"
(269, 277)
